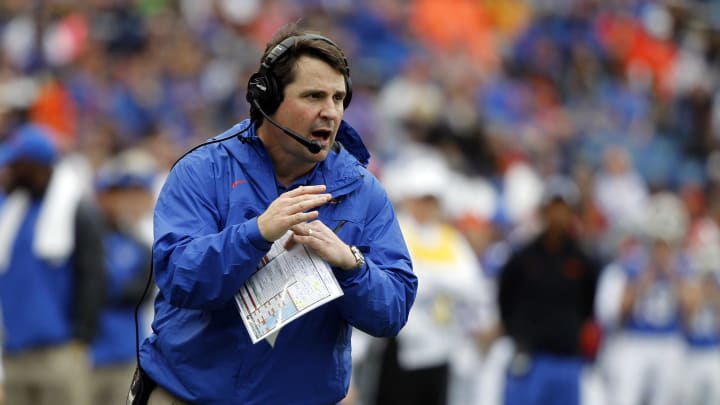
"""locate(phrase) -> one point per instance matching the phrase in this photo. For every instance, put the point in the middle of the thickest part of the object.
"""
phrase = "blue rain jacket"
(36, 294)
(207, 244)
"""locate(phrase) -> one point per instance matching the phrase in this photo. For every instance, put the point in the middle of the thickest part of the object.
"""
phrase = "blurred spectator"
(702, 334)
(54, 108)
(407, 106)
(423, 365)
(473, 209)
(521, 191)
(620, 191)
(640, 305)
(471, 32)
(701, 307)
(125, 196)
(546, 295)
(51, 274)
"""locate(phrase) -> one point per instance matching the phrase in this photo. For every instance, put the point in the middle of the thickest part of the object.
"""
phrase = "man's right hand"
(291, 208)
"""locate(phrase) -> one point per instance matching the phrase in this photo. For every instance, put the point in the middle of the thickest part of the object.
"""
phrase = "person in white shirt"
(423, 364)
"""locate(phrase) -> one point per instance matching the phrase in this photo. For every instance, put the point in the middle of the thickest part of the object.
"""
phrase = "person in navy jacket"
(546, 295)
(123, 187)
(225, 203)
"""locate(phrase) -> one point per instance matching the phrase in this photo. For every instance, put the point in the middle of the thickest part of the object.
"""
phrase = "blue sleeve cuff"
(349, 275)
(255, 237)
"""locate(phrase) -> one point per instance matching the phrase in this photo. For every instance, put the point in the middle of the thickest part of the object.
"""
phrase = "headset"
(263, 89)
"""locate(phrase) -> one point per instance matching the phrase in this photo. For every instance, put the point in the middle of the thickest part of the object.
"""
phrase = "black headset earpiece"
(263, 88)
(263, 85)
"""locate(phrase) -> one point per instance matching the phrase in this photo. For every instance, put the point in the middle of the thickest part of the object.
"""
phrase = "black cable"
(196, 147)
(150, 275)
(137, 309)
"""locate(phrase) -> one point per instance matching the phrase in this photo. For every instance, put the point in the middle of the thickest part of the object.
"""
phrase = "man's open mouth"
(321, 134)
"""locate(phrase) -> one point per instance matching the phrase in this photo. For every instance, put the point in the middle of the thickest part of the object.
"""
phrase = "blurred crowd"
(472, 110)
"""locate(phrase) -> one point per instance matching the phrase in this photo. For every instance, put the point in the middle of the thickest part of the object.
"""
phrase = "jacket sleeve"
(89, 277)
(134, 289)
(509, 278)
(589, 286)
(378, 296)
(200, 263)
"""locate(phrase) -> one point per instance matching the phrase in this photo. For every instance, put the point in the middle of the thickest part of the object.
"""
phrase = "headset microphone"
(312, 145)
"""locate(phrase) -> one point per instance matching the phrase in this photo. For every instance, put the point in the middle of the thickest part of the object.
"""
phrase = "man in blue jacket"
(52, 278)
(294, 166)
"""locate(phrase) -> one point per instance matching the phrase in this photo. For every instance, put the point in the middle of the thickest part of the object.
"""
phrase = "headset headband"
(288, 42)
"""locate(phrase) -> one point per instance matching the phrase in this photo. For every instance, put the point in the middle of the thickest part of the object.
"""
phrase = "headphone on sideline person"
(263, 86)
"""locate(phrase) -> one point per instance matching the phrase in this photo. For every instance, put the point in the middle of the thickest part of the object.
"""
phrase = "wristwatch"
(359, 257)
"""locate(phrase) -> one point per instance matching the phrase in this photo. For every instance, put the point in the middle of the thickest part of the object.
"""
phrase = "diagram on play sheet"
(286, 285)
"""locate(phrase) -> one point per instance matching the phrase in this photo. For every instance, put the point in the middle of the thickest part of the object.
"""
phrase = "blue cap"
(133, 168)
(30, 142)
(123, 179)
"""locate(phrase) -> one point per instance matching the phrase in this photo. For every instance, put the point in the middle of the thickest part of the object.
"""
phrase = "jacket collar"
(341, 171)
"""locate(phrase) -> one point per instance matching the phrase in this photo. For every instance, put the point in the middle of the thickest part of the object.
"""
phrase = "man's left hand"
(324, 242)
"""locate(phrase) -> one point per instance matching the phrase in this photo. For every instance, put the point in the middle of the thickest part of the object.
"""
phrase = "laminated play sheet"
(286, 285)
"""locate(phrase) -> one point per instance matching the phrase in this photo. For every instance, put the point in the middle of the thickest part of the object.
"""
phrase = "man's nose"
(331, 108)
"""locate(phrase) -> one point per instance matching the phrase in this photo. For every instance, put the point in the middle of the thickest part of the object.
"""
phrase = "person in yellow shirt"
(421, 365)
